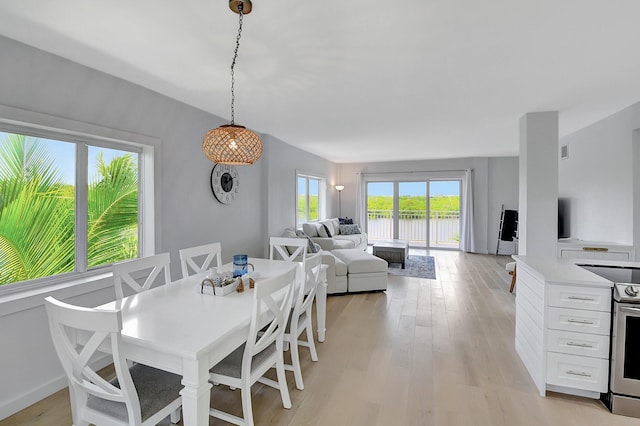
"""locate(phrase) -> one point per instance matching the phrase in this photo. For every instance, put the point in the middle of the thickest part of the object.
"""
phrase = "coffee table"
(393, 251)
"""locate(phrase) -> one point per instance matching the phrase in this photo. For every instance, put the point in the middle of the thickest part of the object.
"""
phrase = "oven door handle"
(628, 309)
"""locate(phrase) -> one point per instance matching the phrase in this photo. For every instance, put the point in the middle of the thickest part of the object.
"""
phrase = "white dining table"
(178, 329)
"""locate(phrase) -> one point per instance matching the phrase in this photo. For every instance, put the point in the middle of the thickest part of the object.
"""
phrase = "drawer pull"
(578, 373)
(586, 299)
(580, 321)
(582, 345)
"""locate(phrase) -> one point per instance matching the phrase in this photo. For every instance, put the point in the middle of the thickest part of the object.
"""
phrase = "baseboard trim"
(20, 402)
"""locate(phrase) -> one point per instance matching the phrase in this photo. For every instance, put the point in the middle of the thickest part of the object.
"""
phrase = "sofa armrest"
(325, 243)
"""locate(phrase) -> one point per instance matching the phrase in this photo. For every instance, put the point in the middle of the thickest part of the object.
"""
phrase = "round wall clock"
(224, 183)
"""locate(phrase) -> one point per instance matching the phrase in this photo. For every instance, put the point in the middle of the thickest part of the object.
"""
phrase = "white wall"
(597, 178)
(503, 189)
(493, 186)
(284, 162)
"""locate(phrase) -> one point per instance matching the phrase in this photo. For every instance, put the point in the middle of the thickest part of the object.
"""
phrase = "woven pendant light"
(233, 144)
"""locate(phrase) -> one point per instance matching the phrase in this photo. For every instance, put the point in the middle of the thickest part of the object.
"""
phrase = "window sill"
(22, 300)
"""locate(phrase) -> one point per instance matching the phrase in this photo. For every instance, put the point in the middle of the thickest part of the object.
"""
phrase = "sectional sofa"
(330, 235)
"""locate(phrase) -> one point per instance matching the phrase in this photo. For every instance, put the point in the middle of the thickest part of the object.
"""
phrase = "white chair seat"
(510, 266)
(231, 366)
(156, 389)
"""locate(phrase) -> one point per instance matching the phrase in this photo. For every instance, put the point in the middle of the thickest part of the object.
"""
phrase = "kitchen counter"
(567, 271)
(563, 323)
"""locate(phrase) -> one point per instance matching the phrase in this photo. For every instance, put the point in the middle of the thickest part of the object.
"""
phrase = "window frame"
(321, 196)
(83, 135)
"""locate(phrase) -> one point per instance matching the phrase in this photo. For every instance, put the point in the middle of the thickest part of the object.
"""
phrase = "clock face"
(224, 183)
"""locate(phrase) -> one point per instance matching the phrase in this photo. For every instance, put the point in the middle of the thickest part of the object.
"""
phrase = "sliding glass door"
(426, 213)
(444, 213)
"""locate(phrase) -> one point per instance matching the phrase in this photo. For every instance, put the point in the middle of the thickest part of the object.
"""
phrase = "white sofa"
(337, 239)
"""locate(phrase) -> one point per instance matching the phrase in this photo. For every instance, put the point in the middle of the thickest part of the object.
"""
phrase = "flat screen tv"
(564, 215)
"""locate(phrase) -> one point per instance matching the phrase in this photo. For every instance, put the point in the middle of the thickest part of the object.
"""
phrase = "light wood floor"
(425, 352)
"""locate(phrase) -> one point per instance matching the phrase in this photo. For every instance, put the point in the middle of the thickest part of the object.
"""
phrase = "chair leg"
(513, 280)
(311, 341)
(247, 409)
(282, 381)
(175, 416)
(295, 361)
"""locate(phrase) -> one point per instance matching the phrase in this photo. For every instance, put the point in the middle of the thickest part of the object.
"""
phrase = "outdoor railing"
(444, 227)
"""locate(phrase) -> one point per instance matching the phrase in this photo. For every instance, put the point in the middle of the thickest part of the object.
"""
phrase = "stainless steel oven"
(624, 375)
(624, 380)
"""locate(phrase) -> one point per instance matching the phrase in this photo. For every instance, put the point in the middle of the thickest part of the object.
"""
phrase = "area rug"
(416, 266)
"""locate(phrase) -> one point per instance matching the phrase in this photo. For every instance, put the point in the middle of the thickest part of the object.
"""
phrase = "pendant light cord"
(233, 64)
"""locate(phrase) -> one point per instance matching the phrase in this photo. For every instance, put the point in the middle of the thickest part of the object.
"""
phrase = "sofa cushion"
(359, 261)
(325, 230)
(310, 229)
(335, 224)
(349, 229)
(339, 243)
(311, 246)
(341, 267)
(355, 240)
(345, 221)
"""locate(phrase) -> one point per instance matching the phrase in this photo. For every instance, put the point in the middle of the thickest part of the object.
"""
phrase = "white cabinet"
(578, 249)
(578, 335)
(563, 322)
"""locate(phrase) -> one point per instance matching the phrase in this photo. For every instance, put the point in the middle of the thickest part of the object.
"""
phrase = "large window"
(426, 213)
(310, 198)
(66, 205)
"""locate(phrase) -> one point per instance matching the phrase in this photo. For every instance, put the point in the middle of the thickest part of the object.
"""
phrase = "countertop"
(567, 271)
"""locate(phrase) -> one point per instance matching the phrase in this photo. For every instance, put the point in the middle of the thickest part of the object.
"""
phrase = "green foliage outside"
(418, 204)
(313, 208)
(37, 212)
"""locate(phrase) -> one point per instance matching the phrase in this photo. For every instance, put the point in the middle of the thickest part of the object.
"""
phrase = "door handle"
(579, 321)
(586, 299)
(578, 373)
(628, 309)
(581, 345)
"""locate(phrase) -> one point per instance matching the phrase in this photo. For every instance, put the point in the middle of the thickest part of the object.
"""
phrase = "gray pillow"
(350, 229)
(311, 248)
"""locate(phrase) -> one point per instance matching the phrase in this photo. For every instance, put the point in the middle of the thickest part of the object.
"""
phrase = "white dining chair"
(289, 249)
(143, 270)
(141, 395)
(263, 349)
(199, 259)
(300, 318)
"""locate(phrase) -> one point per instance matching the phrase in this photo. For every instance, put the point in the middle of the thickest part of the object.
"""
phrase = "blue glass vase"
(240, 262)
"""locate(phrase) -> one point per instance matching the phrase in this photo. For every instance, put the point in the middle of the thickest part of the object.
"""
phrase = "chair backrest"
(144, 269)
(262, 337)
(200, 258)
(288, 249)
(102, 327)
(307, 290)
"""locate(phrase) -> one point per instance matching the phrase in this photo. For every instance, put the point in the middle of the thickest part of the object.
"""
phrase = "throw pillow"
(311, 247)
(345, 221)
(350, 229)
(324, 231)
(290, 233)
(310, 229)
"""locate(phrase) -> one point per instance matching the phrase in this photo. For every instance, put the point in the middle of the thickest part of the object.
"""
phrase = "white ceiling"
(361, 80)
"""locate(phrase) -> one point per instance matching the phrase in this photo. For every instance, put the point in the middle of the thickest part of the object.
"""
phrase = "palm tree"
(37, 212)
(113, 211)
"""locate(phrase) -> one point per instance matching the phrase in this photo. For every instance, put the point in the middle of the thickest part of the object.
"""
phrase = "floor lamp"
(339, 188)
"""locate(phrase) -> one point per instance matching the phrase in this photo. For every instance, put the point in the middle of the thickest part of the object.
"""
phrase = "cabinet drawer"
(579, 320)
(578, 372)
(594, 299)
(570, 342)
